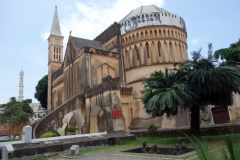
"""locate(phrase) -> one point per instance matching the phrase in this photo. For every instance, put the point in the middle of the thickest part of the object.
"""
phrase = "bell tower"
(55, 54)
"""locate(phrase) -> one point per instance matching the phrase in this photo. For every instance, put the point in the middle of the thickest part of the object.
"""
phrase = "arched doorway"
(72, 123)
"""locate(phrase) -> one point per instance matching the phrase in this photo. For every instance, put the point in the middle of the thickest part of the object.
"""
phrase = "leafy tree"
(42, 91)
(16, 114)
(230, 54)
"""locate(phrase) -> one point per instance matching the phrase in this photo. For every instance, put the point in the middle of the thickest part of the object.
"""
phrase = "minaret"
(55, 53)
(20, 97)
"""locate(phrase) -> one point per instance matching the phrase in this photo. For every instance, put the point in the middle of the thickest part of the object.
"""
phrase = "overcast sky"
(25, 27)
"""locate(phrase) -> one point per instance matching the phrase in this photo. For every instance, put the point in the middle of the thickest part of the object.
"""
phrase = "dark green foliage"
(231, 54)
(42, 91)
(202, 148)
(164, 92)
(152, 128)
(56, 133)
(72, 130)
(230, 152)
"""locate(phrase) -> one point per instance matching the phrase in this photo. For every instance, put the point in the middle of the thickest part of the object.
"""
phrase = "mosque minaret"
(20, 97)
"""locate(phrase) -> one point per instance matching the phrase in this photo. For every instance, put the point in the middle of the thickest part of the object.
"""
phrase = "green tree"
(42, 91)
(213, 83)
(16, 114)
(194, 84)
(164, 92)
(230, 54)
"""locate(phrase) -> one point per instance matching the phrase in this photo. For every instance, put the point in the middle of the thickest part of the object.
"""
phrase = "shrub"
(55, 133)
(47, 134)
(231, 121)
(152, 128)
(72, 130)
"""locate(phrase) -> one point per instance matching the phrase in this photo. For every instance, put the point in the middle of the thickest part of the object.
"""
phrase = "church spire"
(55, 30)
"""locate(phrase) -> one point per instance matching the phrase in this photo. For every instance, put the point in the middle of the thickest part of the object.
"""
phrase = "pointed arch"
(137, 37)
(151, 34)
(146, 35)
(155, 34)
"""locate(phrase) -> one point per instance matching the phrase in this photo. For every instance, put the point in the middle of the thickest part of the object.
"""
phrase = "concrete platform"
(38, 149)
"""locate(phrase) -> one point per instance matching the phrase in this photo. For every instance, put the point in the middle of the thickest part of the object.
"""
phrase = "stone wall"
(53, 117)
(206, 130)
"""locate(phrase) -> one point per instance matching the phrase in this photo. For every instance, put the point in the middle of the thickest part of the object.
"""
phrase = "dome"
(21, 72)
(149, 16)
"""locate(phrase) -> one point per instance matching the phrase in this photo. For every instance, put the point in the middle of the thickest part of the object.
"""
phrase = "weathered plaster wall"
(102, 66)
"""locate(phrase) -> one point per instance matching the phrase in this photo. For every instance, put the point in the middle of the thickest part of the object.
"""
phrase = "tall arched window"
(147, 47)
(137, 54)
(54, 49)
(159, 52)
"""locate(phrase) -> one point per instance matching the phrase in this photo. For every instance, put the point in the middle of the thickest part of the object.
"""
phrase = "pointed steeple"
(55, 30)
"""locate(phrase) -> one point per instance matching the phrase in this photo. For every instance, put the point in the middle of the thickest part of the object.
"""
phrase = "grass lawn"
(17, 139)
(213, 141)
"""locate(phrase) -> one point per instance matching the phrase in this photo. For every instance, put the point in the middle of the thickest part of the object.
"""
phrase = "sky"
(25, 26)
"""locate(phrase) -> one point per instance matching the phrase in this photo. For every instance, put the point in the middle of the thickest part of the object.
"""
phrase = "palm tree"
(164, 92)
(194, 84)
(213, 83)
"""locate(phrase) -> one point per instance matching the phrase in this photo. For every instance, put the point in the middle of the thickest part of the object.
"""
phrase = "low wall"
(206, 130)
(55, 145)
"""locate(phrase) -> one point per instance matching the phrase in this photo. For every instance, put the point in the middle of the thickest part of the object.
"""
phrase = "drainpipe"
(89, 67)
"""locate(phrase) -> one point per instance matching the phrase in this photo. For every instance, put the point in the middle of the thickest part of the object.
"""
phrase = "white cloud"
(195, 41)
(89, 20)
(45, 35)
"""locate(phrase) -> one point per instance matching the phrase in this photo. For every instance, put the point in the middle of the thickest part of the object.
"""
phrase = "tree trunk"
(195, 123)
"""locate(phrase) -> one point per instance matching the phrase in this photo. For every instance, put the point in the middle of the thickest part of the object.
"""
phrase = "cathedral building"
(96, 85)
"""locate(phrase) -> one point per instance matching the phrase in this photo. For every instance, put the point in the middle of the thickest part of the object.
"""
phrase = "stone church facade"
(96, 85)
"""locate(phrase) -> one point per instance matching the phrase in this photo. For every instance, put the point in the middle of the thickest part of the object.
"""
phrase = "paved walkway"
(104, 156)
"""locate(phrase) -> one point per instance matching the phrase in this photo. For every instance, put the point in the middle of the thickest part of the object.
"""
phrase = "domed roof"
(148, 16)
(145, 9)
(21, 72)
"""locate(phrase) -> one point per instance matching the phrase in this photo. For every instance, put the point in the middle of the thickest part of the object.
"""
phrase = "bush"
(55, 133)
(47, 134)
(152, 128)
(72, 130)
(231, 121)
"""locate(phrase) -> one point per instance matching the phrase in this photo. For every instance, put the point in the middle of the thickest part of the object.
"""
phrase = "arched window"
(102, 71)
(54, 58)
(148, 51)
(82, 88)
(57, 49)
(59, 58)
(137, 54)
(54, 49)
(159, 52)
